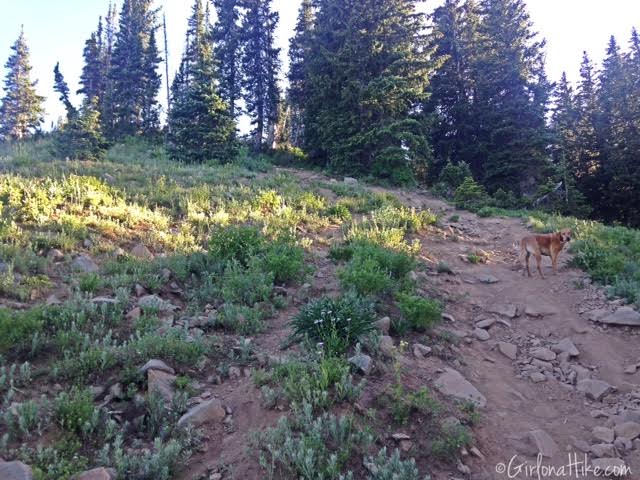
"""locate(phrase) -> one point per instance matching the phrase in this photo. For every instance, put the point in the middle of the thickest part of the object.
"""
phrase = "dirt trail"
(515, 404)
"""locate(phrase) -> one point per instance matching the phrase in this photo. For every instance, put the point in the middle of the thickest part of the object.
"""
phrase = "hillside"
(252, 321)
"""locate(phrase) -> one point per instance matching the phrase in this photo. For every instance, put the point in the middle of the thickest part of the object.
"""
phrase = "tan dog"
(549, 245)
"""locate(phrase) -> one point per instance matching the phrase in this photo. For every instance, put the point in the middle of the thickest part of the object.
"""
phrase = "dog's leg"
(554, 262)
(527, 261)
(539, 262)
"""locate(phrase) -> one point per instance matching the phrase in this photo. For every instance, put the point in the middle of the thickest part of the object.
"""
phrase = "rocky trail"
(545, 359)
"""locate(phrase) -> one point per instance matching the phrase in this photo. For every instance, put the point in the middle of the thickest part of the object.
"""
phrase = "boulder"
(155, 364)
(141, 252)
(488, 279)
(384, 324)
(350, 181)
(481, 334)
(594, 389)
(84, 264)
(603, 434)
(622, 316)
(509, 350)
(211, 410)
(420, 350)
(603, 450)
(566, 345)
(539, 311)
(15, 471)
(362, 362)
(508, 310)
(54, 255)
(387, 347)
(154, 302)
(98, 474)
(545, 445)
(629, 430)
(596, 315)
(451, 382)
(162, 383)
(543, 353)
(537, 377)
(485, 323)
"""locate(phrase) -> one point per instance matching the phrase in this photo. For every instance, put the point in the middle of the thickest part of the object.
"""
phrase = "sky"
(56, 31)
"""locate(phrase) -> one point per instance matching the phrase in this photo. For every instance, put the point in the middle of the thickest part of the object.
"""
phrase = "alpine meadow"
(305, 252)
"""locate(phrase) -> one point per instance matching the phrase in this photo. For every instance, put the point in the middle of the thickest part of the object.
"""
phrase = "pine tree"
(21, 111)
(260, 67)
(456, 37)
(512, 93)
(60, 86)
(298, 52)
(201, 128)
(134, 69)
(367, 74)
(92, 79)
(227, 51)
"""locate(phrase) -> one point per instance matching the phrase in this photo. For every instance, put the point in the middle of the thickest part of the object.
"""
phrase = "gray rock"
(485, 323)
(235, 373)
(481, 334)
(603, 450)
(488, 279)
(603, 434)
(211, 410)
(582, 446)
(420, 350)
(384, 324)
(162, 383)
(362, 362)
(15, 471)
(509, 350)
(451, 382)
(546, 366)
(98, 474)
(582, 373)
(623, 444)
(629, 430)
(545, 445)
(141, 252)
(537, 377)
(350, 181)
(155, 364)
(614, 467)
(508, 310)
(54, 255)
(84, 264)
(596, 315)
(543, 353)
(594, 389)
(153, 302)
(539, 311)
(387, 347)
(105, 300)
(566, 346)
(622, 316)
(631, 369)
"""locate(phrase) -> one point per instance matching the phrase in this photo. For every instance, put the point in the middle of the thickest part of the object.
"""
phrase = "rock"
(545, 445)
(623, 444)
(566, 345)
(384, 324)
(55, 255)
(582, 373)
(84, 264)
(211, 410)
(387, 347)
(162, 383)
(15, 471)
(350, 181)
(596, 315)
(362, 362)
(463, 469)
(481, 334)
(509, 350)
(166, 274)
(400, 436)
(53, 300)
(543, 353)
(118, 253)
(508, 310)
(105, 300)
(451, 382)
(603, 450)
(115, 391)
(153, 302)
(485, 323)
(488, 279)
(448, 317)
(629, 430)
(546, 366)
(594, 389)
(622, 316)
(141, 252)
(234, 373)
(133, 314)
(155, 364)
(420, 350)
(582, 446)
(537, 377)
(539, 311)
(614, 467)
(140, 290)
(477, 453)
(631, 369)
(603, 434)
(98, 474)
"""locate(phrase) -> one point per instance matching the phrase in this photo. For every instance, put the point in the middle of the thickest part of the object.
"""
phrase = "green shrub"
(18, 328)
(339, 212)
(365, 276)
(284, 260)
(89, 283)
(337, 324)
(450, 440)
(454, 175)
(242, 319)
(421, 313)
(384, 467)
(75, 412)
(470, 195)
(246, 285)
(236, 243)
